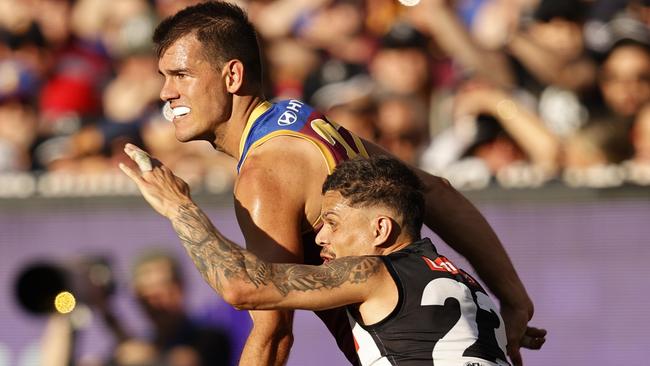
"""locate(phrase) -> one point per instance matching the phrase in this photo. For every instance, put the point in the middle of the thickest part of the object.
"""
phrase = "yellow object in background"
(64, 302)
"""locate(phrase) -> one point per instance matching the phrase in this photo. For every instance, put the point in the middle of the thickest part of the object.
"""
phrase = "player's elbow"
(238, 296)
(245, 297)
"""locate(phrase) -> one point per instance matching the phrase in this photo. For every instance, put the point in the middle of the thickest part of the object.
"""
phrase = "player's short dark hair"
(381, 180)
(222, 28)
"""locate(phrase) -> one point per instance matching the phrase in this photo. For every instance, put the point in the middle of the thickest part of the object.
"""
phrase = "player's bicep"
(270, 214)
(272, 231)
(340, 282)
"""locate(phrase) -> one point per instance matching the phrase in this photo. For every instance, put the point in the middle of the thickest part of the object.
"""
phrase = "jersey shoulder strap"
(297, 119)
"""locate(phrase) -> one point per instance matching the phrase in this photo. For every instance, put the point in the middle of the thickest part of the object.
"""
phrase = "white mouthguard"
(179, 111)
(169, 113)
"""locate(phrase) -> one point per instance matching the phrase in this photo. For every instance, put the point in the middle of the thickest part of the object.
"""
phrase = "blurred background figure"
(401, 63)
(176, 338)
(67, 294)
(18, 119)
(344, 91)
(402, 126)
(79, 77)
(624, 78)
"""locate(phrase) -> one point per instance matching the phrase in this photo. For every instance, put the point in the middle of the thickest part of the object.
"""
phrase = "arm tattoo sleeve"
(353, 270)
(219, 259)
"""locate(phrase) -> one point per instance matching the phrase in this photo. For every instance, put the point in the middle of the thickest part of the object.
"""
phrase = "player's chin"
(183, 139)
(183, 135)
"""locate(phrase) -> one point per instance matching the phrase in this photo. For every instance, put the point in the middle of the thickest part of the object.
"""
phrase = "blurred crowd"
(174, 337)
(518, 92)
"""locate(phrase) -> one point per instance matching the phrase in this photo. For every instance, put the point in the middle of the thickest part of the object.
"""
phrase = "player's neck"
(227, 140)
(400, 243)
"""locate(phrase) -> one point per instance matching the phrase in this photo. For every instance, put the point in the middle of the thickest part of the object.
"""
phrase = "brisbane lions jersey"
(443, 316)
(335, 143)
(297, 119)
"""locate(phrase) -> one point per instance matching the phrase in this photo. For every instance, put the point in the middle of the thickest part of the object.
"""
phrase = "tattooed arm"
(238, 275)
(247, 282)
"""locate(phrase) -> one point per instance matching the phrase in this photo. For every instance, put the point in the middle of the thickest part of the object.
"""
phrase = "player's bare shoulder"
(285, 170)
(283, 159)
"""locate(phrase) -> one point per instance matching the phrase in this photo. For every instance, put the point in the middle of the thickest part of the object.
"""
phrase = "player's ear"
(383, 228)
(233, 74)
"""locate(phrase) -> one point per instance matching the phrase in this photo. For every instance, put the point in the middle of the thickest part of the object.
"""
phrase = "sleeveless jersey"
(335, 143)
(443, 316)
(297, 119)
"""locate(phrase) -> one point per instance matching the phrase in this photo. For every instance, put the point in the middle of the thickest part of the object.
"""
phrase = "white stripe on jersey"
(449, 349)
(368, 352)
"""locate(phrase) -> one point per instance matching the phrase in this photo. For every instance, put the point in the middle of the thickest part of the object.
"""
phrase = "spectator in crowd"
(81, 69)
(345, 92)
(176, 339)
(336, 27)
(493, 130)
(599, 143)
(549, 50)
(624, 78)
(401, 64)
(402, 127)
(440, 20)
(18, 120)
(291, 62)
(551, 63)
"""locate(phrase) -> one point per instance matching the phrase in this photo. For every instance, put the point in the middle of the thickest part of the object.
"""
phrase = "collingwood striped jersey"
(443, 316)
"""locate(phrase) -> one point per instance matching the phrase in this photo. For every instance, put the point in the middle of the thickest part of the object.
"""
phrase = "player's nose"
(321, 237)
(169, 91)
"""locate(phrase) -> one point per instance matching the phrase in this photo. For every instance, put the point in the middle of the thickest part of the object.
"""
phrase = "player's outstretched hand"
(164, 191)
(520, 334)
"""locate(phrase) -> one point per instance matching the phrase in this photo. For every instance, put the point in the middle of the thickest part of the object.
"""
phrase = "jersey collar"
(257, 112)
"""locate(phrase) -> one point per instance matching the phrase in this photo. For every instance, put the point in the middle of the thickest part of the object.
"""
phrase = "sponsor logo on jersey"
(290, 115)
(441, 264)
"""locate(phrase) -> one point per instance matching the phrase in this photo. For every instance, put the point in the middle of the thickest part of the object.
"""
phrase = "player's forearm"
(465, 229)
(527, 129)
(247, 282)
(270, 339)
(223, 264)
(573, 74)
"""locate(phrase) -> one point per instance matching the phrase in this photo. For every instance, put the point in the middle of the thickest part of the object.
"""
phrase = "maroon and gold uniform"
(335, 143)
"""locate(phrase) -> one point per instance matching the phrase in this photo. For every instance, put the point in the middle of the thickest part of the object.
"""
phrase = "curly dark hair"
(381, 180)
(222, 28)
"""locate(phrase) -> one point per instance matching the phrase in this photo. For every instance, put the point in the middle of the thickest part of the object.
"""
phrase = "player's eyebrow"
(173, 72)
(329, 213)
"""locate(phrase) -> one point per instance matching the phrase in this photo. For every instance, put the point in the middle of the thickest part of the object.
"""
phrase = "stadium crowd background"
(517, 92)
